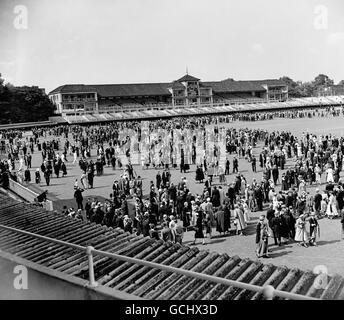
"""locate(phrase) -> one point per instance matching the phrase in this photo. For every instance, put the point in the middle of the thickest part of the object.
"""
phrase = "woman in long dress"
(199, 226)
(331, 210)
(301, 235)
(246, 211)
(239, 220)
(329, 173)
(317, 171)
(242, 186)
(199, 174)
(262, 238)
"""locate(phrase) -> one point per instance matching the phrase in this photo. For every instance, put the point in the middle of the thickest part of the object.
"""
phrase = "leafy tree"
(23, 104)
(307, 89)
(323, 80)
(293, 87)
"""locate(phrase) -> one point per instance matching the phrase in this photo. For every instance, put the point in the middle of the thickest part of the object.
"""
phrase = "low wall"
(46, 284)
(28, 194)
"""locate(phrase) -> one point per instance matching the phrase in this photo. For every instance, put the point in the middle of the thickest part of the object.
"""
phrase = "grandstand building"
(187, 91)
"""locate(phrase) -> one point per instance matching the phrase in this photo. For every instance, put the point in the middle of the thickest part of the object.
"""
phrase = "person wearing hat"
(239, 220)
(331, 210)
(329, 174)
(301, 235)
(302, 187)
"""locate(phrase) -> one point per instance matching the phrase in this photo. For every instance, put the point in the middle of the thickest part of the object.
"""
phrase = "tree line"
(23, 104)
(299, 89)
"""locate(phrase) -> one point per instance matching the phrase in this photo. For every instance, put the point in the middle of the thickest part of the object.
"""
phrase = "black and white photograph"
(172, 155)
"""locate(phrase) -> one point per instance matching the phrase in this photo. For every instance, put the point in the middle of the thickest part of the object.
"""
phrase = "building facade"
(187, 91)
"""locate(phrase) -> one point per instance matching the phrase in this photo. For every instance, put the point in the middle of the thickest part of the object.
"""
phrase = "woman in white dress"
(246, 211)
(331, 210)
(242, 186)
(317, 171)
(329, 173)
(334, 159)
(301, 235)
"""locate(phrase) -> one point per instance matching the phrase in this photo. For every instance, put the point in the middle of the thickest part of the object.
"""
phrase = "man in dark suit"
(317, 201)
(235, 165)
(340, 199)
(231, 195)
(227, 167)
(254, 164)
(47, 177)
(215, 197)
(276, 226)
(270, 214)
(259, 196)
(79, 198)
(275, 174)
(158, 180)
(27, 175)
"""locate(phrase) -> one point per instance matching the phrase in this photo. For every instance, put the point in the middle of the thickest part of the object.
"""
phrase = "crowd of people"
(167, 208)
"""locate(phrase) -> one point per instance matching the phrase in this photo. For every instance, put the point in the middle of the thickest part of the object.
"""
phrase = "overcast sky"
(117, 41)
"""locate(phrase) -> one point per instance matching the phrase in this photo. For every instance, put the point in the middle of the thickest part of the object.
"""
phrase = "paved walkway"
(330, 250)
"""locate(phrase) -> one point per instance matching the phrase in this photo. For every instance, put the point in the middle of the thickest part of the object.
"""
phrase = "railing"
(268, 291)
(79, 100)
(27, 194)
